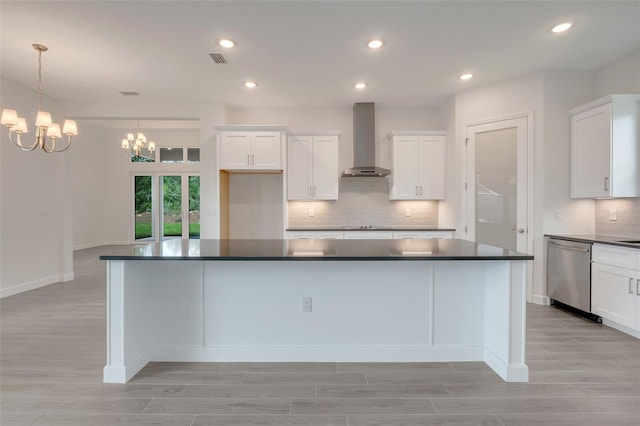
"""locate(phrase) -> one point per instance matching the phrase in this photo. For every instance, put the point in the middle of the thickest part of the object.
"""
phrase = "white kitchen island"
(371, 301)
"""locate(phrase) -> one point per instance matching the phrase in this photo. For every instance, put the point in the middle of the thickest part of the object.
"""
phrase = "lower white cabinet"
(615, 287)
(421, 235)
(315, 235)
(363, 235)
(368, 235)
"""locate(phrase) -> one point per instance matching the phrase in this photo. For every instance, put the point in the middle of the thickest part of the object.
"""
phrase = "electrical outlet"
(407, 212)
(305, 304)
(613, 214)
(312, 212)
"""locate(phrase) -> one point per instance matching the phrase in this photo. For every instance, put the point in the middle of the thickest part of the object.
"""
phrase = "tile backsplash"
(363, 201)
(627, 223)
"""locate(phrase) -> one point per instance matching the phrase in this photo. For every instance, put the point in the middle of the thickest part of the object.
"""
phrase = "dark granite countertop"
(432, 249)
(596, 238)
(376, 228)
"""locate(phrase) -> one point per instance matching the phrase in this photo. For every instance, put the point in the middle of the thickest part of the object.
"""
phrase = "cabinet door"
(368, 235)
(405, 173)
(301, 235)
(437, 234)
(330, 235)
(432, 167)
(299, 155)
(613, 294)
(265, 150)
(235, 149)
(407, 235)
(325, 168)
(591, 153)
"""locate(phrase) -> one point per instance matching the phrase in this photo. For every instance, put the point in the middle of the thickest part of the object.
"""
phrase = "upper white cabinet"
(312, 165)
(418, 165)
(605, 148)
(250, 148)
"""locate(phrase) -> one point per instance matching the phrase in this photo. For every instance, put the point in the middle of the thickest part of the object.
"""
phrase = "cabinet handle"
(638, 287)
(606, 184)
(314, 190)
(248, 159)
(630, 285)
(253, 160)
(420, 189)
(417, 190)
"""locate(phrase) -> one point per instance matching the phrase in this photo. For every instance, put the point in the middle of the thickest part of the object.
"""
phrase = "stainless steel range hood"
(364, 143)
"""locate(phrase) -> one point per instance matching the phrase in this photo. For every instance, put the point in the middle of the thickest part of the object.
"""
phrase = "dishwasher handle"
(584, 250)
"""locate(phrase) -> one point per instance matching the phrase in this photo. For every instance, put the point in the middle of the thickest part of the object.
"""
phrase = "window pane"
(194, 206)
(172, 206)
(171, 155)
(496, 187)
(143, 207)
(193, 155)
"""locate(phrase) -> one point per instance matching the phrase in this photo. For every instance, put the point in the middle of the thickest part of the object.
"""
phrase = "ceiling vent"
(129, 93)
(218, 58)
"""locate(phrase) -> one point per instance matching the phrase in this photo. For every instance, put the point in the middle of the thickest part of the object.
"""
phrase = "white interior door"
(496, 183)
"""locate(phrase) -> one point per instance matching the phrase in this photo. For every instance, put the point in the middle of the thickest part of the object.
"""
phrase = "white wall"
(255, 206)
(36, 211)
(522, 95)
(88, 170)
(563, 90)
(117, 219)
(620, 76)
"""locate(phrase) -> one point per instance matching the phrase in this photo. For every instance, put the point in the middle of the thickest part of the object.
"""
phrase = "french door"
(166, 206)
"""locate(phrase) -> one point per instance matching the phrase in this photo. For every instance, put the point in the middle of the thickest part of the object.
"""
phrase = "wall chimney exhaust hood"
(364, 143)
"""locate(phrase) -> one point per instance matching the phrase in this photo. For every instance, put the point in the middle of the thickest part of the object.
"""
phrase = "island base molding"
(362, 311)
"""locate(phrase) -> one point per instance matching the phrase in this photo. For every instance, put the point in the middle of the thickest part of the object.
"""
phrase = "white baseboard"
(100, 243)
(540, 300)
(31, 285)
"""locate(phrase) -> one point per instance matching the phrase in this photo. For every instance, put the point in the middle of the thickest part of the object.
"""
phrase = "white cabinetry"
(368, 235)
(418, 165)
(605, 148)
(615, 287)
(421, 235)
(315, 235)
(312, 165)
(242, 149)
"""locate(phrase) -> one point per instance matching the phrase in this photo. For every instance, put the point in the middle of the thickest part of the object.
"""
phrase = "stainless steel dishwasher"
(569, 275)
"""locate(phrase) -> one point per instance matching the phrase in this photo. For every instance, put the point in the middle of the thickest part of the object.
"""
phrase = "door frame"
(528, 163)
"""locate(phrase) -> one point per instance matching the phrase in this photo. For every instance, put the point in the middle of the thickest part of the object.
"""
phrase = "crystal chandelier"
(44, 126)
(134, 145)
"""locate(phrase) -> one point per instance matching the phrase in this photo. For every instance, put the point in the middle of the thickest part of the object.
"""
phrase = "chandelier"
(44, 126)
(134, 145)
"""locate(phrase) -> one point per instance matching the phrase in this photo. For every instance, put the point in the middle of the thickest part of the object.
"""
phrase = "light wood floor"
(53, 350)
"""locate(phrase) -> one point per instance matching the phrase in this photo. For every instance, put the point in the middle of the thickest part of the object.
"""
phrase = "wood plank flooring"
(52, 351)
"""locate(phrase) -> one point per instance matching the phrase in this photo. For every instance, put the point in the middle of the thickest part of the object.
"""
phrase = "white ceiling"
(303, 53)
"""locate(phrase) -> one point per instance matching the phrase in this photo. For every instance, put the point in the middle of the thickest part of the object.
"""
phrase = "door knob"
(520, 230)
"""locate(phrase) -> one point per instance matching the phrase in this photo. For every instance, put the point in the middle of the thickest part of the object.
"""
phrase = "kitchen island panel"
(254, 313)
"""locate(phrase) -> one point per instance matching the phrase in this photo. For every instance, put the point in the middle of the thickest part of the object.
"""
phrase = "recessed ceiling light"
(562, 27)
(465, 76)
(225, 42)
(250, 84)
(360, 85)
(375, 44)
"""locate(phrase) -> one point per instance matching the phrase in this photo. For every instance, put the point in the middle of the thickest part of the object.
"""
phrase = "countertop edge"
(595, 239)
(318, 258)
(371, 229)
